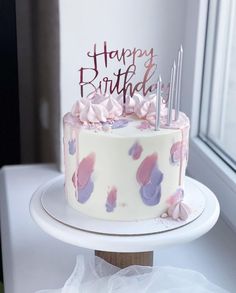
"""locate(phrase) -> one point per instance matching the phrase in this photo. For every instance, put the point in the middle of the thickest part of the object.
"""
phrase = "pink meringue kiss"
(179, 211)
(93, 113)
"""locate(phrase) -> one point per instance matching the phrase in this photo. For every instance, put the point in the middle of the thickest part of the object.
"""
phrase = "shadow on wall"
(39, 79)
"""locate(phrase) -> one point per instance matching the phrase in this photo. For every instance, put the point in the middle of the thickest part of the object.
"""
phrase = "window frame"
(217, 175)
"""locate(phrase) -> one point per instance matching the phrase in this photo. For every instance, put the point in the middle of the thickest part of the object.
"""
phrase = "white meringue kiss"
(93, 113)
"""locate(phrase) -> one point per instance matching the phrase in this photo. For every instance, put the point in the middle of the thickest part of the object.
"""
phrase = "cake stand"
(125, 250)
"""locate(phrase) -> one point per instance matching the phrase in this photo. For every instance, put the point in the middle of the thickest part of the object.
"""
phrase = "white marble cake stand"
(126, 250)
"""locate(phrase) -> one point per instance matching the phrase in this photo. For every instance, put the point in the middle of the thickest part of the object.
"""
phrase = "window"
(209, 98)
(218, 119)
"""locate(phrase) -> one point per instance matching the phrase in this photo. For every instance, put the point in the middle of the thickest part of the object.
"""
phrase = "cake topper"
(124, 79)
(127, 92)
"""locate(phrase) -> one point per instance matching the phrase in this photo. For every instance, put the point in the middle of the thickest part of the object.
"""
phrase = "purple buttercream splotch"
(120, 123)
(156, 176)
(150, 177)
(111, 200)
(135, 151)
(83, 194)
(72, 146)
(151, 192)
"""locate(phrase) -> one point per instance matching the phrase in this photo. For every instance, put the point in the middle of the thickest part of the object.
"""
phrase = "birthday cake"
(126, 154)
(118, 165)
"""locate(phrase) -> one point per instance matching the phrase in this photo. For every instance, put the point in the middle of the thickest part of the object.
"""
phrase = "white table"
(33, 260)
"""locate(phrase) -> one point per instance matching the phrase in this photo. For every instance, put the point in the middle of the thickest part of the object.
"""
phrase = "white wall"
(158, 24)
(52, 47)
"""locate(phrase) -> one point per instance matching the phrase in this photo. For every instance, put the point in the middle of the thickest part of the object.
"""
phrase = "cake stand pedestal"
(125, 250)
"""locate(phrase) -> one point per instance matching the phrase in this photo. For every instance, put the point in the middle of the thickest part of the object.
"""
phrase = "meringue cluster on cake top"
(99, 108)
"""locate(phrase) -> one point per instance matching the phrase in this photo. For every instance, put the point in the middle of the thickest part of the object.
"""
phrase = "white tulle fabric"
(95, 275)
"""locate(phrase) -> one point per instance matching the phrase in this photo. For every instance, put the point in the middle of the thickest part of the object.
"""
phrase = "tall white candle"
(171, 94)
(158, 103)
(178, 81)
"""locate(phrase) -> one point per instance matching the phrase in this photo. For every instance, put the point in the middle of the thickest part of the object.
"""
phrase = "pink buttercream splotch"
(144, 125)
(150, 177)
(175, 152)
(111, 199)
(82, 180)
(74, 180)
(143, 174)
(135, 151)
(85, 169)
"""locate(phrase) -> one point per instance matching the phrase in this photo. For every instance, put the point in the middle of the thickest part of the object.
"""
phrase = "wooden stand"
(123, 259)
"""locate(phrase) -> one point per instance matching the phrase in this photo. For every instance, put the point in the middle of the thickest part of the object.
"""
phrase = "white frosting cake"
(117, 166)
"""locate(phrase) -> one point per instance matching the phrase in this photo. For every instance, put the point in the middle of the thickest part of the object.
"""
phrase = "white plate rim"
(120, 228)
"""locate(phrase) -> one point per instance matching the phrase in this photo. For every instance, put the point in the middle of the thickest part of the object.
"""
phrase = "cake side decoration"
(150, 177)
(82, 178)
(119, 123)
(111, 199)
(175, 153)
(72, 146)
(145, 169)
(135, 151)
(82, 194)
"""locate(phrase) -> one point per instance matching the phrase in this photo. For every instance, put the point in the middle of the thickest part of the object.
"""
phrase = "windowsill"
(28, 250)
(214, 255)
(205, 166)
